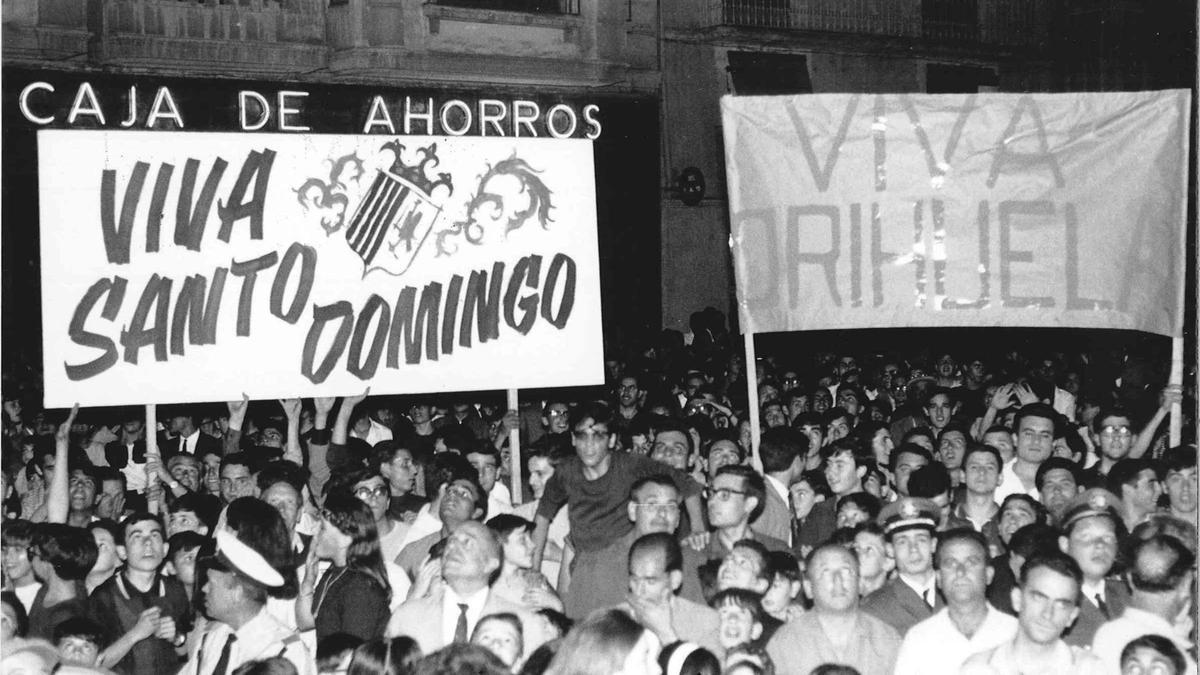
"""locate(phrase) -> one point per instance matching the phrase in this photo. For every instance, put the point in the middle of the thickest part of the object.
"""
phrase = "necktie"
(183, 445)
(460, 629)
(1103, 607)
(223, 662)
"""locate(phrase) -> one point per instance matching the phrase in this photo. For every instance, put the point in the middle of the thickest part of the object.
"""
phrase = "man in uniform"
(909, 525)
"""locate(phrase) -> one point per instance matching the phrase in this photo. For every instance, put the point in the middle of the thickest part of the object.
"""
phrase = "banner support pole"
(1175, 434)
(151, 433)
(752, 399)
(514, 446)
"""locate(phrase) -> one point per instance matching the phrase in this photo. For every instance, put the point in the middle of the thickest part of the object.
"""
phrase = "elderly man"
(909, 525)
(835, 631)
(968, 624)
(655, 577)
(1046, 603)
(236, 598)
(450, 612)
(1161, 577)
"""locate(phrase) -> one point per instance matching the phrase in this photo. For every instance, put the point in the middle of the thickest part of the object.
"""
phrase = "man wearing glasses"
(735, 498)
(1112, 435)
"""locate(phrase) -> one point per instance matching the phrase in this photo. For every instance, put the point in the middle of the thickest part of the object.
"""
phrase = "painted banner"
(1043, 210)
(181, 267)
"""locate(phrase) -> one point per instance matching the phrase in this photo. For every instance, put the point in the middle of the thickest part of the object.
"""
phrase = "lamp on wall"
(690, 186)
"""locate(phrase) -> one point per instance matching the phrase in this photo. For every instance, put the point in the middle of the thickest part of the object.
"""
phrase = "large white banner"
(910, 210)
(182, 267)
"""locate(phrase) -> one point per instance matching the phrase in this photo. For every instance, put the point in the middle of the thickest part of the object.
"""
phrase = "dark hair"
(1039, 511)
(1106, 412)
(1125, 472)
(283, 471)
(752, 483)
(80, 627)
(206, 507)
(779, 447)
(14, 603)
(911, 449)
(599, 413)
(1055, 561)
(1053, 463)
(929, 481)
(677, 426)
(385, 656)
(1177, 458)
(663, 543)
(740, 597)
(699, 661)
(834, 669)
(504, 617)
(274, 665)
(462, 658)
(862, 454)
(1157, 643)
(763, 554)
(783, 564)
(385, 452)
(1159, 564)
(352, 517)
(18, 533)
(70, 550)
(260, 526)
(865, 501)
(135, 518)
(446, 468)
(557, 619)
(540, 659)
(837, 412)
(810, 419)
(238, 458)
(1033, 539)
(507, 523)
(332, 647)
(110, 526)
(184, 541)
(817, 481)
(752, 651)
(920, 430)
(960, 534)
(975, 448)
(1037, 410)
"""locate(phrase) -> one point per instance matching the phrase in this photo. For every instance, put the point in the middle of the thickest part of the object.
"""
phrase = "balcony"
(525, 6)
(990, 22)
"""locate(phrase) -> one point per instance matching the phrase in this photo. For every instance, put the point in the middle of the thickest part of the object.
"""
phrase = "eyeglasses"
(365, 493)
(1116, 431)
(723, 494)
(669, 507)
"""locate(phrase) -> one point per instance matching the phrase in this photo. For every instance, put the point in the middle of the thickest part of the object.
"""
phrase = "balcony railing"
(527, 6)
(1010, 22)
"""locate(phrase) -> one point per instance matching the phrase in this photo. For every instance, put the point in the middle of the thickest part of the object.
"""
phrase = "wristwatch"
(174, 485)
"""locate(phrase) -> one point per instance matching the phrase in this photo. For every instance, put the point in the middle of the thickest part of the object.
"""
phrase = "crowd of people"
(952, 510)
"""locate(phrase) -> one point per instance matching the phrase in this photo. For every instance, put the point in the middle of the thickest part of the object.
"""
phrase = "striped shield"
(391, 223)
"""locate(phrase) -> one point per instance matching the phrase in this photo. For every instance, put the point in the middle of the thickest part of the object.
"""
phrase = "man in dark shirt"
(61, 557)
(596, 483)
(138, 598)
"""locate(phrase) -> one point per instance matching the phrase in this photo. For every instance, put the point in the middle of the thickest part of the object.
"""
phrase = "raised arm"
(58, 498)
(232, 441)
(1169, 396)
(291, 408)
(318, 446)
(341, 430)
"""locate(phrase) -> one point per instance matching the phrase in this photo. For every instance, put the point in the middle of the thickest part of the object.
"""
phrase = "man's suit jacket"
(117, 454)
(421, 619)
(776, 518)
(899, 606)
(1083, 631)
(169, 447)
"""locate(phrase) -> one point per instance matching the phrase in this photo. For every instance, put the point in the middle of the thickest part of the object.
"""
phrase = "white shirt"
(450, 611)
(27, 593)
(1012, 485)
(391, 543)
(936, 647)
(425, 524)
(135, 474)
(189, 442)
(1112, 637)
(1091, 590)
(499, 500)
(926, 591)
(376, 433)
(260, 638)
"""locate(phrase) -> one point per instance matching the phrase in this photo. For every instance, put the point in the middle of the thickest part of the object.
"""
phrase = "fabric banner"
(182, 267)
(1043, 210)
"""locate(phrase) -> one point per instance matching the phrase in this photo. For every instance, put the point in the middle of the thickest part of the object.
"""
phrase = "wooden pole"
(1176, 379)
(514, 446)
(151, 432)
(752, 394)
